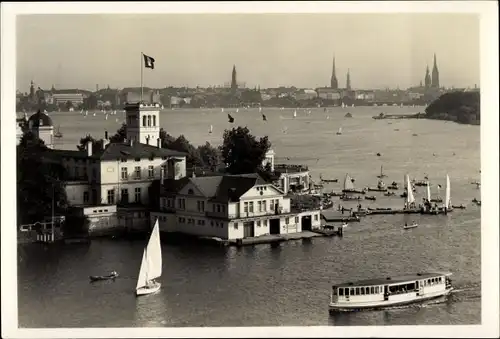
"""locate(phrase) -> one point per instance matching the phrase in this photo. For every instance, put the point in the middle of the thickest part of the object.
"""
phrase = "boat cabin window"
(376, 289)
(347, 291)
(357, 290)
(362, 291)
(372, 290)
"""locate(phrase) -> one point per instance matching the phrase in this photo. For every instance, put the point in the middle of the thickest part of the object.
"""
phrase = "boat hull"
(365, 306)
(148, 290)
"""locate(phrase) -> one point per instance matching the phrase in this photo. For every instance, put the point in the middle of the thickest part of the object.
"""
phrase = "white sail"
(428, 192)
(348, 185)
(222, 109)
(211, 128)
(340, 130)
(448, 192)
(409, 198)
(151, 265)
(295, 113)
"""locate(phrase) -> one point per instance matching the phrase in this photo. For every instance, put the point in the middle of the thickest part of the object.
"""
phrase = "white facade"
(143, 123)
(263, 209)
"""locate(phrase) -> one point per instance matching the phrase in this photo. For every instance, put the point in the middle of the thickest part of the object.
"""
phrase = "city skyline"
(198, 49)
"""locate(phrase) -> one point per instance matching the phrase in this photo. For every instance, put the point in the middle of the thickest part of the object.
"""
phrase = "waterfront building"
(62, 98)
(229, 207)
(118, 173)
(305, 94)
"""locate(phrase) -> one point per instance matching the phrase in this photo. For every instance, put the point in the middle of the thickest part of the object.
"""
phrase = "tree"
(120, 135)
(242, 152)
(210, 156)
(38, 181)
(462, 107)
(83, 142)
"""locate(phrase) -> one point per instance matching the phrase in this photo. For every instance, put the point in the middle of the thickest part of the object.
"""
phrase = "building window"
(149, 120)
(235, 225)
(137, 172)
(94, 173)
(124, 173)
(315, 217)
(144, 121)
(111, 197)
(223, 208)
(245, 208)
(138, 195)
(190, 191)
(264, 205)
(259, 205)
(265, 222)
(124, 197)
(258, 223)
(250, 207)
(154, 120)
(296, 220)
(201, 206)
(271, 205)
(163, 172)
(218, 208)
(151, 171)
(123, 160)
(85, 197)
(287, 221)
(137, 159)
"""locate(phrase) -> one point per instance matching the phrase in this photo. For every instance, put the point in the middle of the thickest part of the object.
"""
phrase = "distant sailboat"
(339, 132)
(410, 199)
(211, 129)
(381, 175)
(260, 109)
(295, 113)
(222, 109)
(327, 117)
(237, 110)
(447, 200)
(428, 192)
(151, 265)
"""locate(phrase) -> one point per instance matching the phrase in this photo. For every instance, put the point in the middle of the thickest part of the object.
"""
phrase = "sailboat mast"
(53, 203)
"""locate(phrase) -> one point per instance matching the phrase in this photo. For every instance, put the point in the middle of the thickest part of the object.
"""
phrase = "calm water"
(287, 284)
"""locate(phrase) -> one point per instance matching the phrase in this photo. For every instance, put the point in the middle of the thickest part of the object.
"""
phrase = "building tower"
(41, 125)
(348, 81)
(435, 74)
(333, 80)
(32, 91)
(234, 84)
(143, 122)
(427, 79)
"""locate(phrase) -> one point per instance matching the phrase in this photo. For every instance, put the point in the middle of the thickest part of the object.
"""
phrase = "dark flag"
(149, 62)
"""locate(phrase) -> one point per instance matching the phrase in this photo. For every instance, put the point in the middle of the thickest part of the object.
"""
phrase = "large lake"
(288, 284)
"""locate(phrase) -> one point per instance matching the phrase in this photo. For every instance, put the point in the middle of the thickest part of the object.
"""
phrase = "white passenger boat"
(389, 292)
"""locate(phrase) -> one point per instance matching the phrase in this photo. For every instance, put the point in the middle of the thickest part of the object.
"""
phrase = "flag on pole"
(149, 62)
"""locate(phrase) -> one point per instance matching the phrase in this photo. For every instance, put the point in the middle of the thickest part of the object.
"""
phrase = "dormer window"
(190, 191)
(137, 159)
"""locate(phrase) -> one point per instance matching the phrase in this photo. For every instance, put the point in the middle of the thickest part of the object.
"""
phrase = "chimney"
(158, 142)
(89, 148)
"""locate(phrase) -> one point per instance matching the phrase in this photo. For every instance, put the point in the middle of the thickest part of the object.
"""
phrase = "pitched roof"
(119, 150)
(219, 188)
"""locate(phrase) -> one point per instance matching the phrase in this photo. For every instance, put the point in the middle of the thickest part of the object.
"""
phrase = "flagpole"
(142, 70)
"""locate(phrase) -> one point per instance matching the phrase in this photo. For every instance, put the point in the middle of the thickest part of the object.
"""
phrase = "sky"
(381, 50)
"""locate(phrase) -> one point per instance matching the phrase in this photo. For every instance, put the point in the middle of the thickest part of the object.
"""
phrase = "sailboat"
(295, 113)
(211, 129)
(410, 200)
(382, 175)
(151, 265)
(447, 200)
(339, 132)
(58, 133)
(428, 192)
(349, 186)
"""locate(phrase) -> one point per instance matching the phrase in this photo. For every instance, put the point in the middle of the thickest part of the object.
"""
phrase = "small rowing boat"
(112, 275)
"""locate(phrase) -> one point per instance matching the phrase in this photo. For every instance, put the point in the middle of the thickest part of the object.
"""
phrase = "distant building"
(435, 74)
(62, 98)
(41, 125)
(329, 93)
(306, 94)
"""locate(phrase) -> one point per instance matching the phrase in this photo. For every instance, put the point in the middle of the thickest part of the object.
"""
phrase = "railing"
(290, 168)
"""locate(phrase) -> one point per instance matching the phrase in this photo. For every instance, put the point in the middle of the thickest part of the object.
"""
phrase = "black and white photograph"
(250, 169)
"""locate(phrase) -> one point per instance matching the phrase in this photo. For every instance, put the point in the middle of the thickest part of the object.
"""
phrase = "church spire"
(427, 78)
(435, 74)
(234, 84)
(333, 81)
(348, 81)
